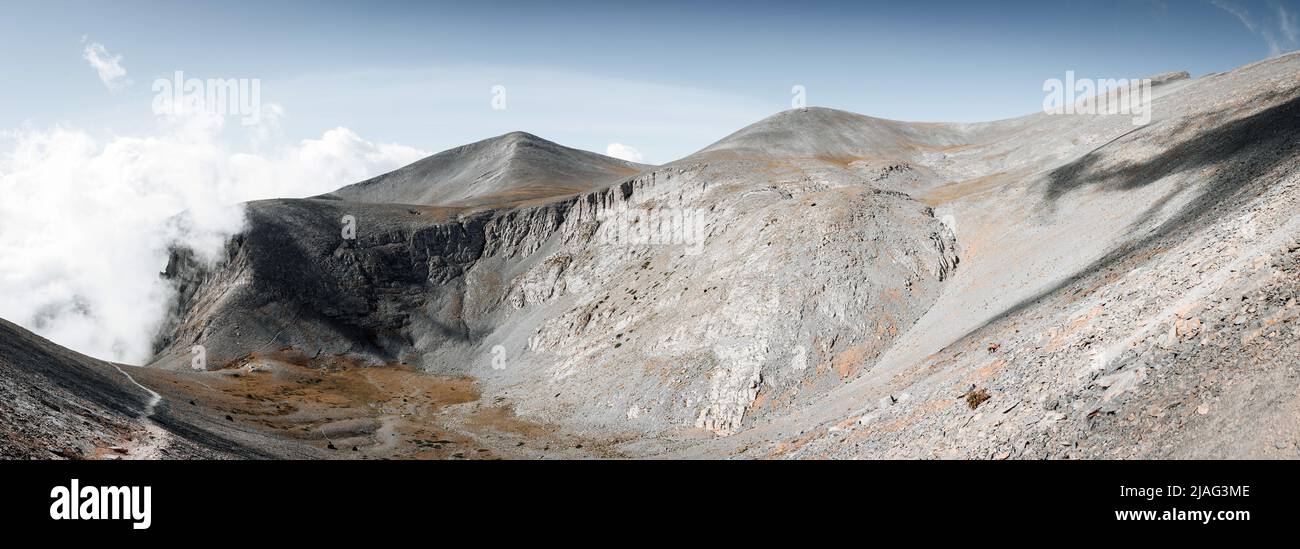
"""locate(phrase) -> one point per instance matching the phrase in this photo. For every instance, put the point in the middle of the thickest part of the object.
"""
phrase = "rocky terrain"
(55, 403)
(819, 284)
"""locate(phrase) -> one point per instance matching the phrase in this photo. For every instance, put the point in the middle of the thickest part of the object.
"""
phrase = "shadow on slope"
(1244, 149)
(1225, 142)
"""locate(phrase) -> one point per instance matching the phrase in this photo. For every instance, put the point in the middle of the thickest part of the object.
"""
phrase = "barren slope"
(55, 403)
(1124, 292)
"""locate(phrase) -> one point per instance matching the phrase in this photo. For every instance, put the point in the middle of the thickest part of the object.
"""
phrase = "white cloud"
(107, 65)
(84, 221)
(1274, 48)
(1287, 22)
(623, 152)
(1240, 12)
(1268, 29)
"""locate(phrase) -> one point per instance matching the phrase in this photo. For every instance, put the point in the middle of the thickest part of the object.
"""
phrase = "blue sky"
(664, 77)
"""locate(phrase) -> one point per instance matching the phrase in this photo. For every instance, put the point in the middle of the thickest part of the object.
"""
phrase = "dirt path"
(153, 440)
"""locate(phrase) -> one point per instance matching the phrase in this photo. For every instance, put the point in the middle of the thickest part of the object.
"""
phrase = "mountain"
(818, 132)
(512, 168)
(818, 284)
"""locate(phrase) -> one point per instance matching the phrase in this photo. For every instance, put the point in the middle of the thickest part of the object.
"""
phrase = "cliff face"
(681, 297)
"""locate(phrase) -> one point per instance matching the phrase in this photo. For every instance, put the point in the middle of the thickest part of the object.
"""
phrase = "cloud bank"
(623, 152)
(84, 221)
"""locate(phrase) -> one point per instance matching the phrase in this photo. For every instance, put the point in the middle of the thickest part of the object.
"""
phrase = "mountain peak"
(502, 169)
(813, 131)
(518, 136)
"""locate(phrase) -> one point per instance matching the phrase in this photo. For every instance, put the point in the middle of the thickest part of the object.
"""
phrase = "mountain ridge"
(506, 169)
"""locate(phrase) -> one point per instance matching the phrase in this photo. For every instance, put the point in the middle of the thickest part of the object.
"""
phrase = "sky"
(664, 77)
(95, 162)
